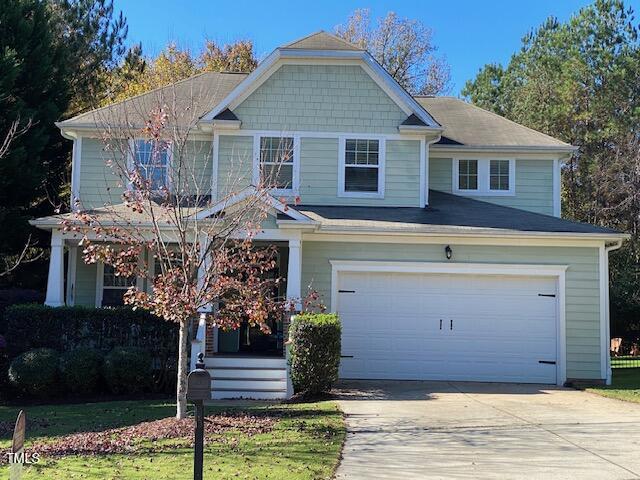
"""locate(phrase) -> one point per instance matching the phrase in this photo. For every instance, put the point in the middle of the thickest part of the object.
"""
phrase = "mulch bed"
(129, 439)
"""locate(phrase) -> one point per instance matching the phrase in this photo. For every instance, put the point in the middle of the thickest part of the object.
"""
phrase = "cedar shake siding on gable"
(321, 98)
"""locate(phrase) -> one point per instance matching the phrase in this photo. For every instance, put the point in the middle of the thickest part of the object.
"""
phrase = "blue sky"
(468, 33)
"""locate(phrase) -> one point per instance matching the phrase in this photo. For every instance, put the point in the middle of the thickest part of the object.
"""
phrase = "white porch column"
(55, 281)
(294, 271)
(199, 342)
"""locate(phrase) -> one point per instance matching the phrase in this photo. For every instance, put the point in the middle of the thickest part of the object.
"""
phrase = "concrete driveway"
(430, 430)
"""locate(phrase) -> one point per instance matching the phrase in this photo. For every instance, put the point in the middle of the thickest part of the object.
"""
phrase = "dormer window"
(152, 159)
(484, 177)
(361, 170)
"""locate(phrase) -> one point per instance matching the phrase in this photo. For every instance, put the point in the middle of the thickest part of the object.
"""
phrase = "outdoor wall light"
(448, 252)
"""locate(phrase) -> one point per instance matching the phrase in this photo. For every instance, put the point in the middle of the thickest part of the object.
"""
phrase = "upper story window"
(361, 170)
(277, 163)
(499, 175)
(468, 175)
(484, 176)
(152, 158)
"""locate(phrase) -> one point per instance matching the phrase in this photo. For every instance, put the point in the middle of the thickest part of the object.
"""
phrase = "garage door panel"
(501, 329)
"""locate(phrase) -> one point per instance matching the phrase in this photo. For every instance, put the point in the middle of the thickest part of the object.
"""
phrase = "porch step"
(249, 394)
(248, 373)
(245, 362)
(257, 385)
(259, 378)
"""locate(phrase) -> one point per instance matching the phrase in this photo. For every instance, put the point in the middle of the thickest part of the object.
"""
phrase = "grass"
(305, 443)
(625, 385)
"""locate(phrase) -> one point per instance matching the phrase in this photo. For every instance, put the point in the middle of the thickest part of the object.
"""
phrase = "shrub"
(315, 352)
(80, 370)
(67, 328)
(127, 370)
(36, 372)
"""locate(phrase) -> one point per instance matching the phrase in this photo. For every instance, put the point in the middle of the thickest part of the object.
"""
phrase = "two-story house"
(430, 225)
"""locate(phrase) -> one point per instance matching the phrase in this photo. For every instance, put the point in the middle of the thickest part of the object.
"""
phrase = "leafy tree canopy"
(580, 81)
(138, 74)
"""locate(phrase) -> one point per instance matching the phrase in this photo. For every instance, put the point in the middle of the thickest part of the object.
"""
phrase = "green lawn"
(304, 442)
(625, 385)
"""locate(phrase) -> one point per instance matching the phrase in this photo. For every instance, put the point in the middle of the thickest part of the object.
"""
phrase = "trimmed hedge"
(64, 329)
(81, 370)
(315, 352)
(127, 370)
(36, 372)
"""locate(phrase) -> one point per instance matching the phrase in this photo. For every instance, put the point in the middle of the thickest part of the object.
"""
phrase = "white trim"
(72, 265)
(607, 319)
(244, 194)
(311, 134)
(460, 239)
(484, 185)
(75, 172)
(214, 166)
(295, 174)
(424, 173)
(557, 198)
(382, 148)
(428, 145)
(99, 283)
(508, 149)
(557, 271)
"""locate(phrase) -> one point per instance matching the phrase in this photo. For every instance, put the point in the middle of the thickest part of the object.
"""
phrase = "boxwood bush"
(127, 370)
(35, 373)
(315, 352)
(81, 370)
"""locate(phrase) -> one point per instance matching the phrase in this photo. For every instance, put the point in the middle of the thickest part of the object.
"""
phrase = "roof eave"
(564, 149)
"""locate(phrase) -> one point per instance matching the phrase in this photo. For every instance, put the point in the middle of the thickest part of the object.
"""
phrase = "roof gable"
(321, 41)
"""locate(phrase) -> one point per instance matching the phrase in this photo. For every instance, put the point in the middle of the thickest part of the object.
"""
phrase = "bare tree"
(404, 47)
(201, 253)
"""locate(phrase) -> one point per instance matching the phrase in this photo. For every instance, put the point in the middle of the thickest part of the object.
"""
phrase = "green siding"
(234, 163)
(582, 282)
(534, 184)
(85, 289)
(99, 183)
(319, 174)
(194, 163)
(322, 98)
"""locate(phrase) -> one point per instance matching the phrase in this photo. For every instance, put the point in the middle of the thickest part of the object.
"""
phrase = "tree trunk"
(183, 369)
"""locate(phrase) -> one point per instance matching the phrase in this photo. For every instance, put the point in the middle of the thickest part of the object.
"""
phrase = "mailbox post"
(199, 390)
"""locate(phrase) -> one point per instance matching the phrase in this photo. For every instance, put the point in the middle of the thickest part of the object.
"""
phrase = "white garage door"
(448, 327)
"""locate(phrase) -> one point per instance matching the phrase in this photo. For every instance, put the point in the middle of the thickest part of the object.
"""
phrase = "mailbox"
(199, 383)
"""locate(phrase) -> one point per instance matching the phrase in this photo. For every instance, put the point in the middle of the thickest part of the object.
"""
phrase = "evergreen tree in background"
(580, 81)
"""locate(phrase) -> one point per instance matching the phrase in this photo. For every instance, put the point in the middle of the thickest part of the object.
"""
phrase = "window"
(499, 175)
(363, 163)
(152, 160)
(276, 162)
(114, 287)
(468, 175)
(483, 176)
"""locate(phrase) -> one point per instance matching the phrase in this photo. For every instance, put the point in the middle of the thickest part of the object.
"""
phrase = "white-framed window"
(111, 287)
(484, 176)
(361, 167)
(276, 162)
(152, 158)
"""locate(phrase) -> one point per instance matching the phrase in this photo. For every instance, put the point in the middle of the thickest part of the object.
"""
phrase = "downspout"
(428, 144)
(609, 248)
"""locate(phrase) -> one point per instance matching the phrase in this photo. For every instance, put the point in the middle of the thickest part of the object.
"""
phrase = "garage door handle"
(451, 325)
(547, 362)
(440, 324)
(346, 356)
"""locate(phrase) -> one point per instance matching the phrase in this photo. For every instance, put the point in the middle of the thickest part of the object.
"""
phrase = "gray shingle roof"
(322, 41)
(467, 124)
(448, 214)
(192, 97)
